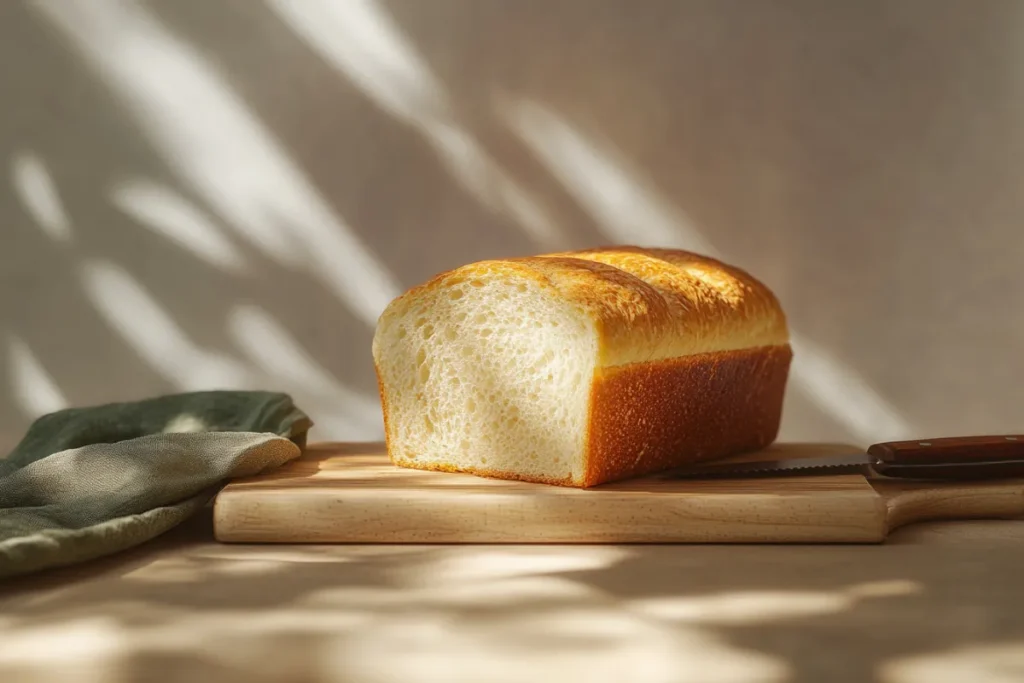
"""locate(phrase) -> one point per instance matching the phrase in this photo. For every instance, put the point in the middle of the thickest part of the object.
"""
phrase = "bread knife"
(948, 458)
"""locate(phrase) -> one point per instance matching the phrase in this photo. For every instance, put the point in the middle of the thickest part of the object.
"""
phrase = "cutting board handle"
(909, 502)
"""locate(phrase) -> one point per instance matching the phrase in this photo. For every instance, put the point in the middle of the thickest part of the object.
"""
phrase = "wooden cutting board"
(351, 493)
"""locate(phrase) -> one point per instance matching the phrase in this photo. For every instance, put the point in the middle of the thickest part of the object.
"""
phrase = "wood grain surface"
(351, 493)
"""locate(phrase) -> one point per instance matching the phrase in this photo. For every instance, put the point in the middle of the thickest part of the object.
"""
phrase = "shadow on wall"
(226, 194)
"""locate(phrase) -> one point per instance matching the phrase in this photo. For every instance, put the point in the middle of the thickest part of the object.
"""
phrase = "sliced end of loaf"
(488, 371)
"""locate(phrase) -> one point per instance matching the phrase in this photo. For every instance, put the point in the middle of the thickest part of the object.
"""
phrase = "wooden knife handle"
(955, 449)
(963, 457)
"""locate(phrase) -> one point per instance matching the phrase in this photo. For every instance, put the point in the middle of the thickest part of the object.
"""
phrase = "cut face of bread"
(580, 369)
(489, 374)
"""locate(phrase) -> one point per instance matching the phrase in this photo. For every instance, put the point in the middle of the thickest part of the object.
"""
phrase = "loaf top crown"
(648, 304)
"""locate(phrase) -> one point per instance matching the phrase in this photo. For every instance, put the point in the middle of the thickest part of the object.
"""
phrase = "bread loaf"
(581, 368)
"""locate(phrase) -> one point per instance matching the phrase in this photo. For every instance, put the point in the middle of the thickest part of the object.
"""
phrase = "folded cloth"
(89, 482)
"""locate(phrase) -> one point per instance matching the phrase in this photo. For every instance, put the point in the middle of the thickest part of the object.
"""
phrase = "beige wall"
(219, 193)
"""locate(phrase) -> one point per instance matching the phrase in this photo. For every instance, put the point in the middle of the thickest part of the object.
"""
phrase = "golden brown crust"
(713, 306)
(647, 304)
(651, 417)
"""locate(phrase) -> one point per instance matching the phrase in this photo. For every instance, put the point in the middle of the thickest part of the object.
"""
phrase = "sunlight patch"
(273, 349)
(486, 564)
(844, 395)
(35, 390)
(77, 642)
(185, 424)
(34, 185)
(744, 608)
(741, 608)
(993, 663)
(151, 331)
(170, 215)
(625, 209)
(361, 41)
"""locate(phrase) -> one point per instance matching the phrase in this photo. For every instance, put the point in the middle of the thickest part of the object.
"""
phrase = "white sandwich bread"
(581, 368)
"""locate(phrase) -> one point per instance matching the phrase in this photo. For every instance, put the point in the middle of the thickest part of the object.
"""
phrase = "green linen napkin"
(89, 482)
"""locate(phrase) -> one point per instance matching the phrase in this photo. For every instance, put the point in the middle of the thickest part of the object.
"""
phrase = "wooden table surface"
(939, 602)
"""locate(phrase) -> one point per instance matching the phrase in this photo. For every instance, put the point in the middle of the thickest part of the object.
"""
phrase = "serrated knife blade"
(851, 463)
